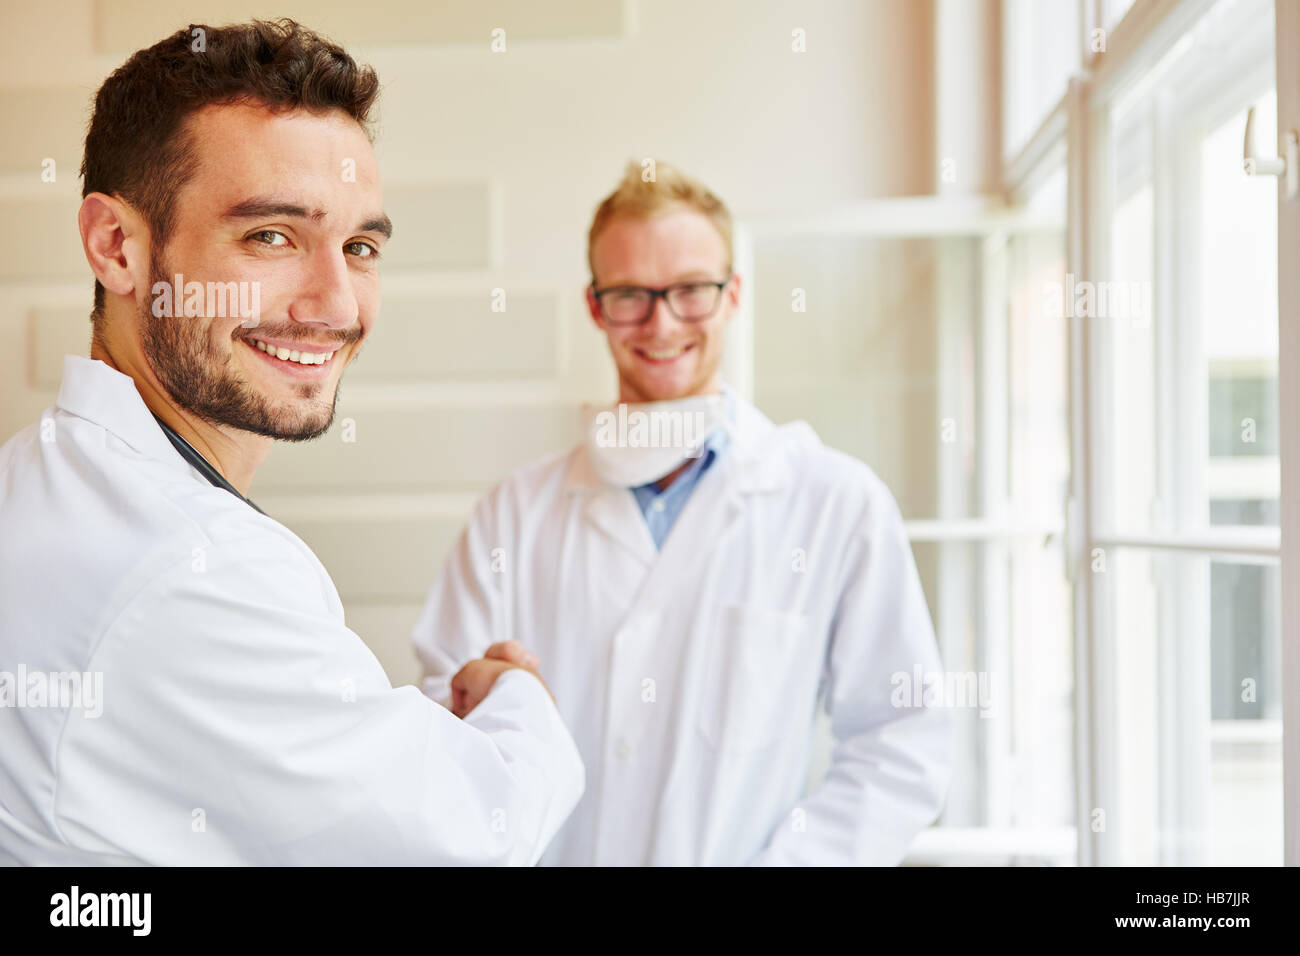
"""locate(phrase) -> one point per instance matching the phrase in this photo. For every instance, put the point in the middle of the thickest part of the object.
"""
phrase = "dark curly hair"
(138, 148)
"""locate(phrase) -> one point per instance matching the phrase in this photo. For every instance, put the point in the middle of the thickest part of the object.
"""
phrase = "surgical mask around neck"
(635, 444)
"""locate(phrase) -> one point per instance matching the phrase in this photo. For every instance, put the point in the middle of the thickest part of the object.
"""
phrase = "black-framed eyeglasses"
(692, 301)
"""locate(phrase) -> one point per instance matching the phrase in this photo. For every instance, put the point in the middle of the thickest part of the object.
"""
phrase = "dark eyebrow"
(380, 224)
(262, 208)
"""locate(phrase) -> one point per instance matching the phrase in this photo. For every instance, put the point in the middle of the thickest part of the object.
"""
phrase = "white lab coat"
(242, 722)
(690, 677)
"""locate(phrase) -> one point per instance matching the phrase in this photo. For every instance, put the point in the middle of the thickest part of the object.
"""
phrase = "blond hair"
(651, 187)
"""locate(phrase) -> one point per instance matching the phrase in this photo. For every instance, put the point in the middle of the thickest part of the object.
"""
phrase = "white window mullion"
(992, 571)
(1086, 149)
(956, 565)
(1182, 582)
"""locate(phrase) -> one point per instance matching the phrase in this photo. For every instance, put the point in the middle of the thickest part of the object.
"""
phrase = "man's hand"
(473, 681)
(514, 653)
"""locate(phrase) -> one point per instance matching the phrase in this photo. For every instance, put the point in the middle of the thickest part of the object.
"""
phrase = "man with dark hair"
(177, 684)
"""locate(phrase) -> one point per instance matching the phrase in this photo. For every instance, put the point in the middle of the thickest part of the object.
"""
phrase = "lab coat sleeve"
(891, 765)
(258, 705)
(465, 608)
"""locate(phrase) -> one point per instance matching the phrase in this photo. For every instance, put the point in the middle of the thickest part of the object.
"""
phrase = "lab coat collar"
(760, 463)
(753, 461)
(98, 393)
(750, 465)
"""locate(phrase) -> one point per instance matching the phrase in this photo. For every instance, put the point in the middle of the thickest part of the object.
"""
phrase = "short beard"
(202, 381)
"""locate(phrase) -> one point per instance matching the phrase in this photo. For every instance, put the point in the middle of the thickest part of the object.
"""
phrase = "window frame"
(1149, 30)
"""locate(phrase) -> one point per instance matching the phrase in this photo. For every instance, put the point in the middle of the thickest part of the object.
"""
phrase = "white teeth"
(294, 355)
(662, 354)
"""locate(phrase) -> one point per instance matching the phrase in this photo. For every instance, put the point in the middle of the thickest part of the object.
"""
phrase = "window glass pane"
(1038, 376)
(1195, 677)
(1244, 634)
(1042, 49)
(1243, 411)
(1124, 332)
(1184, 309)
(1131, 455)
(1239, 295)
(1002, 615)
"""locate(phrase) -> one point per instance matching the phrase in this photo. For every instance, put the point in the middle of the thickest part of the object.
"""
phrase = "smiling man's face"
(290, 201)
(664, 358)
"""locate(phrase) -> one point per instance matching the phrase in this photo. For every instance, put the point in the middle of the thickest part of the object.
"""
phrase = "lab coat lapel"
(715, 506)
(754, 463)
(613, 512)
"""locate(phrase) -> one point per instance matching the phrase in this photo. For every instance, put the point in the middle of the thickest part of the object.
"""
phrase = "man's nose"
(661, 318)
(329, 300)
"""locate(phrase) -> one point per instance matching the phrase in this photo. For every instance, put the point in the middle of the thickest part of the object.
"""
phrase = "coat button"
(624, 748)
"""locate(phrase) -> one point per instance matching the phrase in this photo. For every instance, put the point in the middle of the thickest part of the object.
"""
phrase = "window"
(1079, 414)
(1184, 463)
(1042, 49)
(1173, 536)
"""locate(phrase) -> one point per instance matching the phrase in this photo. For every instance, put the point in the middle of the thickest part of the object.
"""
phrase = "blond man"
(697, 582)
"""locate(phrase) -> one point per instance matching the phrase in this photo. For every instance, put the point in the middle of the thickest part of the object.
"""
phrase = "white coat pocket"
(751, 657)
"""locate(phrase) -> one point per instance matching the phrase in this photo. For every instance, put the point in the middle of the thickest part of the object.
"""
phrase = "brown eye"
(257, 236)
(362, 250)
